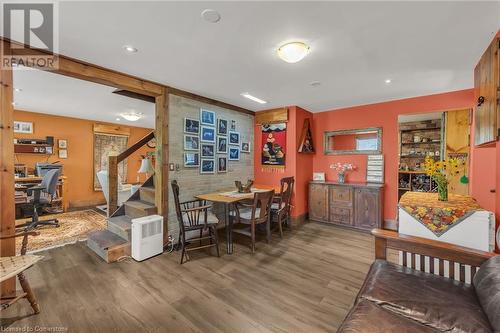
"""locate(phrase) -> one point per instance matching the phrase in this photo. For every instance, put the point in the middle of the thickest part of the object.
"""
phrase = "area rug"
(74, 227)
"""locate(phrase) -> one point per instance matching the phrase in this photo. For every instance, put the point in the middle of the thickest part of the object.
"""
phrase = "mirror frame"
(329, 134)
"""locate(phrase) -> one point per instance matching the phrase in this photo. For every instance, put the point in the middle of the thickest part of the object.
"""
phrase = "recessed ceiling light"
(18, 89)
(14, 103)
(388, 81)
(293, 52)
(253, 98)
(130, 49)
(210, 15)
(315, 83)
(118, 119)
(131, 116)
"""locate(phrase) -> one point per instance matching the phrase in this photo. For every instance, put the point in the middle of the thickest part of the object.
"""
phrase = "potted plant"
(441, 172)
(342, 169)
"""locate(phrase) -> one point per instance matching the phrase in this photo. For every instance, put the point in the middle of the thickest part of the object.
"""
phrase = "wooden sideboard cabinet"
(356, 205)
(487, 94)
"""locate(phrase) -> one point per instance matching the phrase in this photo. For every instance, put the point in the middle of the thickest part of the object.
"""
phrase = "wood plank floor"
(305, 282)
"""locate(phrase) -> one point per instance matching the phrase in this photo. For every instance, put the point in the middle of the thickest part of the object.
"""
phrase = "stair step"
(147, 194)
(121, 225)
(139, 208)
(108, 245)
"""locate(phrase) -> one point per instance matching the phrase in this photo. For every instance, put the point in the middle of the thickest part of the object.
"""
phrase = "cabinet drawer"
(341, 195)
(341, 215)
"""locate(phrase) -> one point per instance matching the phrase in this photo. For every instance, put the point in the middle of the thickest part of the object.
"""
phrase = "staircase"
(114, 242)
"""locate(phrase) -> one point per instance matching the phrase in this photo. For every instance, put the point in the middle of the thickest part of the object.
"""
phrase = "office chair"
(49, 187)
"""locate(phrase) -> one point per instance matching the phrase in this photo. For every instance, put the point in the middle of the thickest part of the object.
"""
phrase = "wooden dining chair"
(195, 221)
(12, 266)
(281, 207)
(254, 213)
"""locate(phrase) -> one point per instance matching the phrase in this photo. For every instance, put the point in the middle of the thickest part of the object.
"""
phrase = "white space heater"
(147, 237)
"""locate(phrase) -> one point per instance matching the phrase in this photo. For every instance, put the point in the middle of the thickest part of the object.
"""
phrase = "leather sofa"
(396, 298)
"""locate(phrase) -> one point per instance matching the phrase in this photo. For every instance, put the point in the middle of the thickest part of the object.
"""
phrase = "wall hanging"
(273, 146)
(306, 141)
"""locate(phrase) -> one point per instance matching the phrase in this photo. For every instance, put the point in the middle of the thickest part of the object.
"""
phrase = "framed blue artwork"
(234, 138)
(221, 145)
(234, 153)
(207, 117)
(207, 166)
(208, 134)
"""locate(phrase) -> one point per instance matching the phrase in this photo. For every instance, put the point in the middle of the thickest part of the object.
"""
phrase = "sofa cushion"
(432, 300)
(487, 284)
(367, 317)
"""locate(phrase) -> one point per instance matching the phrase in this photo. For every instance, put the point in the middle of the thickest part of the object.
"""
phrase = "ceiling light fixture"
(210, 15)
(131, 116)
(18, 89)
(118, 119)
(253, 98)
(130, 49)
(293, 52)
(387, 81)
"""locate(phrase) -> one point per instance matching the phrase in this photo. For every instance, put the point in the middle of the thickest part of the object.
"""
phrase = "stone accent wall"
(191, 182)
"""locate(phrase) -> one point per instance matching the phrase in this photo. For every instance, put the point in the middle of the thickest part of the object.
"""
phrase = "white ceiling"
(424, 47)
(55, 94)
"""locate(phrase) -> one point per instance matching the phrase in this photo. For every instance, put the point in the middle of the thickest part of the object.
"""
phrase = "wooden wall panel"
(272, 116)
(161, 166)
(457, 143)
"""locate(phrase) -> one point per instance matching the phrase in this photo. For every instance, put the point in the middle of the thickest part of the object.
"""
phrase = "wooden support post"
(161, 166)
(7, 202)
(112, 184)
(381, 248)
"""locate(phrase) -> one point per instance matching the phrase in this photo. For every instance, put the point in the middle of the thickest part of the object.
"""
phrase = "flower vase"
(341, 177)
(442, 188)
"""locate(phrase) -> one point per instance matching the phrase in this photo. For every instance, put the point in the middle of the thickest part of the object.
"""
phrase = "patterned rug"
(74, 227)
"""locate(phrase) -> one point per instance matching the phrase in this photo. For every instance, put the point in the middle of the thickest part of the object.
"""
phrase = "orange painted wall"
(297, 165)
(383, 115)
(78, 167)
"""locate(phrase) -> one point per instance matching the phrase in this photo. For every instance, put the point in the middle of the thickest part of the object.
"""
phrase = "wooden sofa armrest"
(386, 239)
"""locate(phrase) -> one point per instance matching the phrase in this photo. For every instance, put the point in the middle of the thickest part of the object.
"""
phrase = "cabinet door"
(341, 195)
(486, 85)
(318, 202)
(367, 208)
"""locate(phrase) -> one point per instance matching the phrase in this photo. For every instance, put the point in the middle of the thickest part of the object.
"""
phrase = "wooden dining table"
(229, 197)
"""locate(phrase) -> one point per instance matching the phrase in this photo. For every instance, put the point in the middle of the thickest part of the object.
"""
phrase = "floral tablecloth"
(438, 216)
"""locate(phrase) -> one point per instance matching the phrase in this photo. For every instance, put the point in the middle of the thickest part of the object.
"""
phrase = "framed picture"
(191, 142)
(207, 134)
(319, 176)
(191, 126)
(207, 117)
(221, 145)
(221, 126)
(63, 153)
(221, 164)
(207, 150)
(207, 166)
(234, 138)
(234, 153)
(245, 147)
(233, 125)
(191, 160)
(62, 144)
(23, 127)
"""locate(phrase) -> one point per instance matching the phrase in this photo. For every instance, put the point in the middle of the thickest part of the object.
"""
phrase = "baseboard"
(299, 220)
(390, 225)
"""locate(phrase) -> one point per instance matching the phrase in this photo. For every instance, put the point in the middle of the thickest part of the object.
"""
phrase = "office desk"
(61, 189)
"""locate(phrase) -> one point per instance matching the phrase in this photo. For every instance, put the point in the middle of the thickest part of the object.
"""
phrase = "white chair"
(124, 192)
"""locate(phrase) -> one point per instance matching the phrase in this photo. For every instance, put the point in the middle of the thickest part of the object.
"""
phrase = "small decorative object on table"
(440, 172)
(341, 169)
(244, 188)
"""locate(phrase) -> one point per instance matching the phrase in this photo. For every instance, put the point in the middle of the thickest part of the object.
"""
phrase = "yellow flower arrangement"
(440, 172)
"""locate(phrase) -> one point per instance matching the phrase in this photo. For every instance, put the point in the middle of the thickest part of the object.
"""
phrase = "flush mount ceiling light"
(253, 98)
(130, 49)
(210, 15)
(293, 52)
(131, 116)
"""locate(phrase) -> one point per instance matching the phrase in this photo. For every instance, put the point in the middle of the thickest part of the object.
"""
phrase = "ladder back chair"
(194, 220)
(281, 206)
(12, 266)
(253, 214)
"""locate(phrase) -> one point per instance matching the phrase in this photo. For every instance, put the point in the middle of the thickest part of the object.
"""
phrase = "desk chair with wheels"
(48, 187)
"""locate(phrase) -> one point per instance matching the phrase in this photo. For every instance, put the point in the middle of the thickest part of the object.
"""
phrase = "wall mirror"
(354, 141)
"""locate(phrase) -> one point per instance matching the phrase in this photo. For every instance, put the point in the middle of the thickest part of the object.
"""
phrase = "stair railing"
(113, 171)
